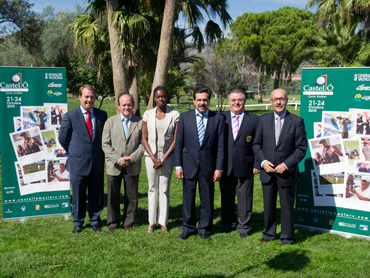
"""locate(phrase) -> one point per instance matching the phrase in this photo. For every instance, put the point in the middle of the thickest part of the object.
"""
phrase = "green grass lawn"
(46, 247)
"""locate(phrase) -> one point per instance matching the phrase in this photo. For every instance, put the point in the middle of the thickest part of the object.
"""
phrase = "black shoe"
(224, 229)
(205, 236)
(185, 235)
(96, 228)
(243, 235)
(77, 229)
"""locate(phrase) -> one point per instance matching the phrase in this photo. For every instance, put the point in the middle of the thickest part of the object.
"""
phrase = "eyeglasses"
(278, 99)
(237, 100)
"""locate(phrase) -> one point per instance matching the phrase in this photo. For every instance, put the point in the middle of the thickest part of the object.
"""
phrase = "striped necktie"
(235, 126)
(201, 129)
(277, 129)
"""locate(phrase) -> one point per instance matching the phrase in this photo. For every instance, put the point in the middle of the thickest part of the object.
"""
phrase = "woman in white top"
(158, 138)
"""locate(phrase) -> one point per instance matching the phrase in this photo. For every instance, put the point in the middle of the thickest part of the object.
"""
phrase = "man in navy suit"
(279, 146)
(237, 178)
(199, 158)
(81, 136)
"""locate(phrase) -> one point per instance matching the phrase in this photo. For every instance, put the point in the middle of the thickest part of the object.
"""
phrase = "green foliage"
(15, 15)
(14, 54)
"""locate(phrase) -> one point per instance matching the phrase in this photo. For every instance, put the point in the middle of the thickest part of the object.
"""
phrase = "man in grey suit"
(80, 136)
(123, 150)
(280, 144)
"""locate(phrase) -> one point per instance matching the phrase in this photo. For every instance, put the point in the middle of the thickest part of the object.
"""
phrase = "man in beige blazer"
(121, 143)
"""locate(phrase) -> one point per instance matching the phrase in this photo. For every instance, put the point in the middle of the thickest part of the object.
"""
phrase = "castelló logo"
(14, 85)
(321, 87)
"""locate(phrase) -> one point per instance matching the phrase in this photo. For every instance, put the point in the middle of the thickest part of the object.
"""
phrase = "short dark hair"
(160, 88)
(23, 134)
(62, 164)
(199, 90)
(121, 94)
(322, 141)
(87, 86)
(240, 91)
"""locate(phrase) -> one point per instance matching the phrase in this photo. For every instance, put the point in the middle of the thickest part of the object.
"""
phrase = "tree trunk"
(260, 99)
(134, 92)
(118, 66)
(277, 76)
(367, 24)
(165, 47)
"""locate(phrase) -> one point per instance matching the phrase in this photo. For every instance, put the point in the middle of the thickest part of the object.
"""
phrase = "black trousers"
(94, 183)
(230, 187)
(287, 197)
(130, 198)
(206, 193)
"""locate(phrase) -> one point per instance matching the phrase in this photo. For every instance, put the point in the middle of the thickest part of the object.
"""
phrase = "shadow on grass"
(289, 261)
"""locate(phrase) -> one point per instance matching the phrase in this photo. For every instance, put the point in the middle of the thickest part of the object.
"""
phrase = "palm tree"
(192, 11)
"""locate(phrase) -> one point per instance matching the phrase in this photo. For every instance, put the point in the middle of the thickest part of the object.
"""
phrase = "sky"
(236, 7)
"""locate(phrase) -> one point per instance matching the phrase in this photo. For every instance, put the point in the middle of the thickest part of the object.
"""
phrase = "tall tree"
(15, 15)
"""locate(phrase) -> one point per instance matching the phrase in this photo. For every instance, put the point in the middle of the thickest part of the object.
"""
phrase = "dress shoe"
(77, 229)
(224, 229)
(287, 243)
(185, 235)
(111, 229)
(96, 228)
(264, 240)
(243, 235)
(150, 229)
(205, 236)
(164, 229)
(127, 228)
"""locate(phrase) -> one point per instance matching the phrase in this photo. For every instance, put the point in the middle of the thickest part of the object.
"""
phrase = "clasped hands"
(216, 175)
(157, 163)
(124, 161)
(270, 168)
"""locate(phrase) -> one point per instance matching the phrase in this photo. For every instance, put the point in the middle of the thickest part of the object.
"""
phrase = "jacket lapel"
(132, 127)
(243, 126)
(80, 116)
(286, 126)
(210, 124)
(168, 119)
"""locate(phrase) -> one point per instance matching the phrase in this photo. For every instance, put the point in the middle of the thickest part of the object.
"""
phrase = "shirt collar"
(84, 111)
(282, 116)
(240, 115)
(122, 117)
(205, 114)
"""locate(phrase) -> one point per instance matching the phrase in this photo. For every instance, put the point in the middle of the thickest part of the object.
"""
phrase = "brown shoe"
(150, 229)
(164, 229)
(111, 229)
(263, 240)
(127, 228)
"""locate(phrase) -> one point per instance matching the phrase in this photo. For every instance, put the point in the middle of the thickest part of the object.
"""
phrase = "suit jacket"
(290, 149)
(239, 156)
(83, 153)
(190, 155)
(115, 145)
(172, 116)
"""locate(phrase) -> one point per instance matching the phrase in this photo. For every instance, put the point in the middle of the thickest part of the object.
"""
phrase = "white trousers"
(159, 184)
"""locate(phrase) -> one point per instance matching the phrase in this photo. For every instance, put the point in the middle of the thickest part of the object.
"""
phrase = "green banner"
(34, 180)
(333, 193)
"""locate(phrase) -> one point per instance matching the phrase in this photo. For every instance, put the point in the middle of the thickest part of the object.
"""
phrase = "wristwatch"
(161, 159)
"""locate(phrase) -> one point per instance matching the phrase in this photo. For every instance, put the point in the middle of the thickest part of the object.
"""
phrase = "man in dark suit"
(123, 151)
(80, 135)
(237, 178)
(199, 158)
(279, 146)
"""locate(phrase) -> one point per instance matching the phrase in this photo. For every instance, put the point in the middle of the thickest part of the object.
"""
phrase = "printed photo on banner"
(25, 188)
(342, 123)
(362, 121)
(352, 150)
(34, 171)
(17, 123)
(332, 183)
(49, 138)
(328, 154)
(35, 116)
(365, 148)
(357, 187)
(28, 145)
(57, 111)
(362, 166)
(59, 152)
(315, 184)
(57, 171)
(317, 129)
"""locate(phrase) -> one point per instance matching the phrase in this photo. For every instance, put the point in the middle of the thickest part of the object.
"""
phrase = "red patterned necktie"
(89, 124)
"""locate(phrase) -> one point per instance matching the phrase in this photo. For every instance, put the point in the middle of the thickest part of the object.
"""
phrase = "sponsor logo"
(37, 207)
(359, 97)
(23, 208)
(364, 228)
(363, 88)
(54, 76)
(53, 85)
(50, 93)
(348, 225)
(321, 87)
(331, 222)
(65, 205)
(8, 210)
(51, 206)
(14, 85)
(316, 219)
(361, 77)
